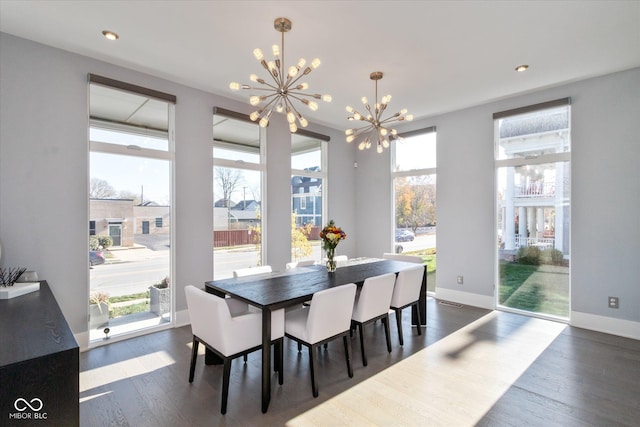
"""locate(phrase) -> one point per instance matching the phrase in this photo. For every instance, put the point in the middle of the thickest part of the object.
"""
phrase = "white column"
(540, 223)
(509, 218)
(559, 204)
(522, 224)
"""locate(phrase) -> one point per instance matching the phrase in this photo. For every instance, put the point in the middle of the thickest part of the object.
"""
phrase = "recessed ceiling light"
(110, 35)
(521, 68)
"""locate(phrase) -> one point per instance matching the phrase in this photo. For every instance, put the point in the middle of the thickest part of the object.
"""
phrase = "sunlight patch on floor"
(454, 381)
(92, 378)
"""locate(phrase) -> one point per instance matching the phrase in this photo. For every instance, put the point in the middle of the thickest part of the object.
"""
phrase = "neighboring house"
(535, 207)
(151, 218)
(121, 219)
(114, 218)
(306, 199)
(246, 212)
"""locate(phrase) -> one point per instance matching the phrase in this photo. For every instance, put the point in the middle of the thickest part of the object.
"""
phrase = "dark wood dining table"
(276, 290)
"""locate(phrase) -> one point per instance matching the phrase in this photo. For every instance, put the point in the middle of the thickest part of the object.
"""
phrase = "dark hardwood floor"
(502, 366)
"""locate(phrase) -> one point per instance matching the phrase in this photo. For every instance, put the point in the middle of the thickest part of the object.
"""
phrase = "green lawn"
(536, 288)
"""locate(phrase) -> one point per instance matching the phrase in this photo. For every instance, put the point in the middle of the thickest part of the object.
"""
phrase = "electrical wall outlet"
(614, 302)
(460, 280)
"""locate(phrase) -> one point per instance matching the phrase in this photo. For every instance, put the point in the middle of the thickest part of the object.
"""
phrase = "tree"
(415, 202)
(300, 245)
(100, 189)
(227, 179)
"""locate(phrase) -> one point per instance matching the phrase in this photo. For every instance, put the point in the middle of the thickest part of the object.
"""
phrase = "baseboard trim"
(466, 298)
(182, 318)
(608, 325)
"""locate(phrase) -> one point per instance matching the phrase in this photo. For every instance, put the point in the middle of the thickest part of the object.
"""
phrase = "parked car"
(96, 258)
(404, 236)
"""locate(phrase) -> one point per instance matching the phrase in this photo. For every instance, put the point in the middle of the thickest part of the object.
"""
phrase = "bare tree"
(228, 180)
(100, 189)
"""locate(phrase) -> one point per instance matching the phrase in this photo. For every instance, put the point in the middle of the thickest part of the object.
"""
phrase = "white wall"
(44, 173)
(605, 183)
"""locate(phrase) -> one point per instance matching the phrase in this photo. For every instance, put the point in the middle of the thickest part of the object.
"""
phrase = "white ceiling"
(437, 56)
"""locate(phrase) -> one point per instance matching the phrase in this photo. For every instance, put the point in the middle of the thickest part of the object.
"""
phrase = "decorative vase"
(331, 262)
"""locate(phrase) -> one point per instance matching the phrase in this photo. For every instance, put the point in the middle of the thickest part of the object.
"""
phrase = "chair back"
(302, 263)
(375, 297)
(405, 258)
(242, 272)
(330, 312)
(407, 288)
(209, 316)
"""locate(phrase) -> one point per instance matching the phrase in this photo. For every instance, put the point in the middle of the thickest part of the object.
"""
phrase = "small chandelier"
(284, 88)
(376, 129)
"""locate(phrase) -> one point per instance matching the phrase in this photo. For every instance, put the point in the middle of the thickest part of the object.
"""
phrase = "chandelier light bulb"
(377, 129)
(285, 89)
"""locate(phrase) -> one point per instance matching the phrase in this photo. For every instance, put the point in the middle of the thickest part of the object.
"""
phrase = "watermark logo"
(28, 409)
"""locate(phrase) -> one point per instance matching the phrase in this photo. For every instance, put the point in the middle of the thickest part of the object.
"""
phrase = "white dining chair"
(229, 336)
(302, 263)
(328, 318)
(406, 293)
(242, 272)
(372, 304)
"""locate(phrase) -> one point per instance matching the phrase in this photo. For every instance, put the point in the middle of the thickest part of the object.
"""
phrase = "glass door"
(533, 192)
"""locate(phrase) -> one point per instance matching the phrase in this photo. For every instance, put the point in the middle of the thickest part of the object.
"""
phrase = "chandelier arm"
(267, 107)
(299, 76)
(262, 88)
(299, 116)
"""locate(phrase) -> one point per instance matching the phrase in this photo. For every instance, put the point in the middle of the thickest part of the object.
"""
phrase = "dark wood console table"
(39, 362)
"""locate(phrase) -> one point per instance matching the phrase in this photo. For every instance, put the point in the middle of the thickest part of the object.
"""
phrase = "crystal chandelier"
(285, 87)
(377, 129)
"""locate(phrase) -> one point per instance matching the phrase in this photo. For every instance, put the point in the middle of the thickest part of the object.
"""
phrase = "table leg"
(422, 304)
(266, 359)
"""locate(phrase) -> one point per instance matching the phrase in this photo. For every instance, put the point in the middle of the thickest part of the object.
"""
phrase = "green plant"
(163, 284)
(94, 243)
(99, 298)
(552, 256)
(529, 255)
(104, 241)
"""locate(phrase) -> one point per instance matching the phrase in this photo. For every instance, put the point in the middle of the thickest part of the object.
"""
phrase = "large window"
(533, 149)
(238, 169)
(131, 154)
(308, 184)
(414, 187)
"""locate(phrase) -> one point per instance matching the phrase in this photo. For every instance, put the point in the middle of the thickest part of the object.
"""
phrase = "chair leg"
(299, 347)
(364, 355)
(347, 353)
(385, 323)
(194, 356)
(226, 372)
(399, 322)
(313, 367)
(244, 358)
(418, 319)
